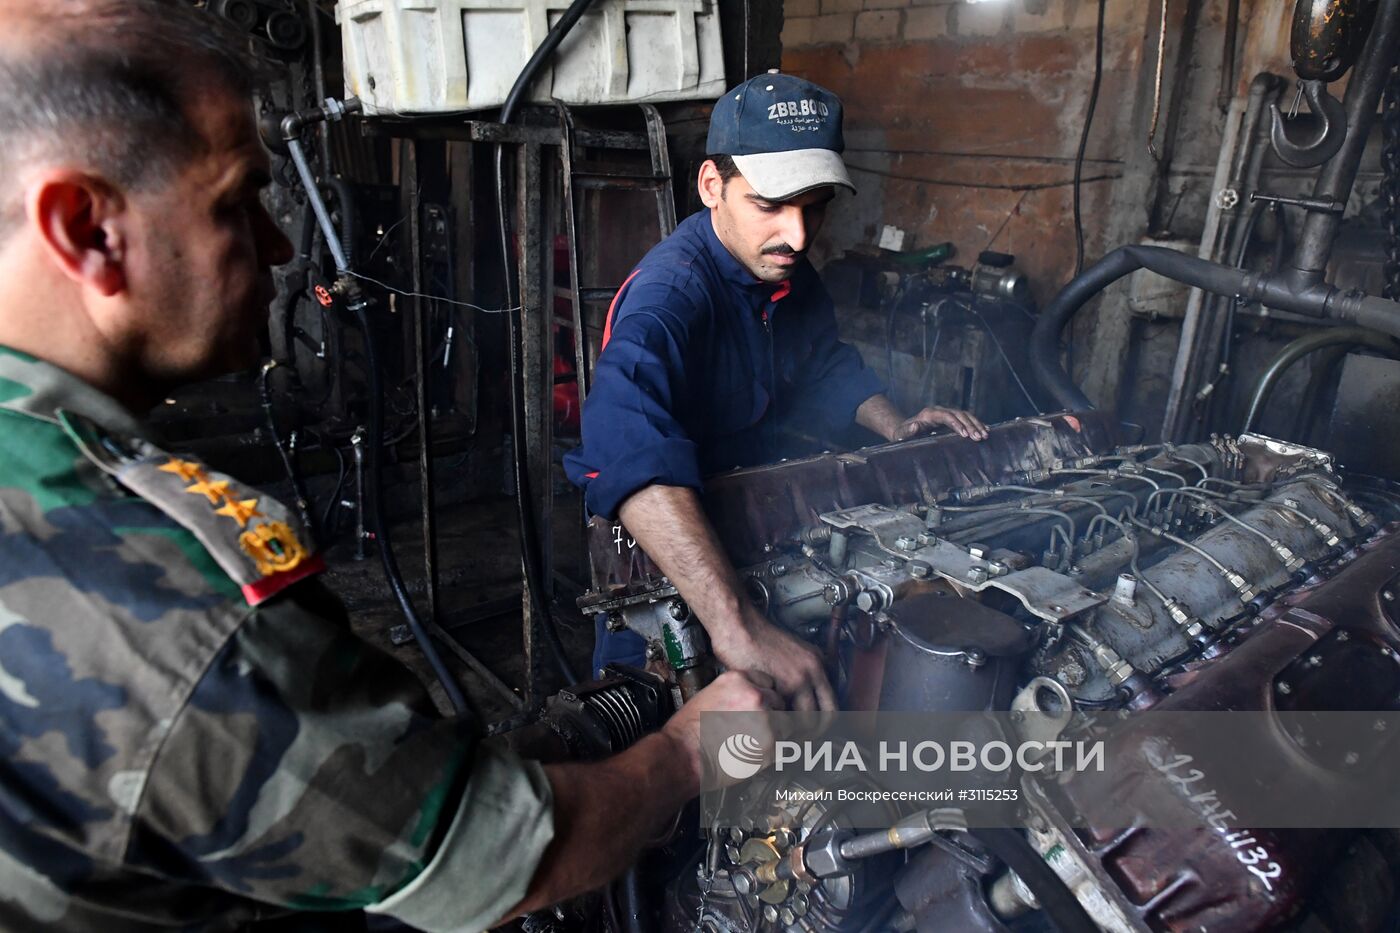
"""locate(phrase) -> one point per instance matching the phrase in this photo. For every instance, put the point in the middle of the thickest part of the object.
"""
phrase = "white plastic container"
(443, 56)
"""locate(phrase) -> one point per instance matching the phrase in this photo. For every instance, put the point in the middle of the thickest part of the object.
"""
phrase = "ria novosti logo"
(741, 756)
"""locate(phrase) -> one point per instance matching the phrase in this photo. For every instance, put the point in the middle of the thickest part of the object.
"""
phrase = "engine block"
(946, 574)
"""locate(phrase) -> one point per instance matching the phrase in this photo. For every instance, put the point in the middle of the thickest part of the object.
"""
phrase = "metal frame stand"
(536, 183)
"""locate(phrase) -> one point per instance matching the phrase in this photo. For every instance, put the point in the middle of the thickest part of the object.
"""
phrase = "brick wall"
(962, 119)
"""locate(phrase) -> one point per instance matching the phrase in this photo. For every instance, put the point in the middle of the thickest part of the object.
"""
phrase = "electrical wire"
(979, 185)
(1005, 359)
(1157, 87)
(447, 301)
(1084, 143)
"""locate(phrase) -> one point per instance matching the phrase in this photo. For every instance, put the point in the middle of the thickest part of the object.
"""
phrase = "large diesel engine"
(1051, 561)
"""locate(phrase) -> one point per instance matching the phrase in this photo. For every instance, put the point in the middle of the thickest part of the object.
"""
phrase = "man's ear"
(710, 184)
(79, 219)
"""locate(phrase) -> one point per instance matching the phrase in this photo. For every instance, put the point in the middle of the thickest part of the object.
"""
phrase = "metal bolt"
(677, 609)
(1343, 636)
(732, 852)
(615, 623)
(905, 543)
(867, 601)
(977, 574)
(996, 568)
(799, 904)
(1388, 596)
(770, 913)
(1284, 687)
(1351, 758)
(978, 551)
(777, 569)
(654, 652)
(743, 881)
(975, 657)
(919, 569)
(788, 916)
(1315, 661)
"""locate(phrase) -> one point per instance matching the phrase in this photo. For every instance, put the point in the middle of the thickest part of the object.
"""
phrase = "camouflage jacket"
(192, 736)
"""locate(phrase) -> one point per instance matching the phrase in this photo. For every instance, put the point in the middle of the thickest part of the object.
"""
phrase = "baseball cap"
(784, 134)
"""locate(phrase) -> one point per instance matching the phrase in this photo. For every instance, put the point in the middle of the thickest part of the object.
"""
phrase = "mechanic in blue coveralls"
(723, 336)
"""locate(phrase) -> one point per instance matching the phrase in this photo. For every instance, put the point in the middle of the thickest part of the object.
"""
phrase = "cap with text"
(784, 134)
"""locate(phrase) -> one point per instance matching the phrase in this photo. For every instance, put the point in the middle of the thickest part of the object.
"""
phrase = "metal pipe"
(1311, 343)
(1282, 292)
(284, 452)
(914, 830)
(1228, 166)
(1338, 175)
(318, 206)
(318, 72)
(1227, 55)
(357, 444)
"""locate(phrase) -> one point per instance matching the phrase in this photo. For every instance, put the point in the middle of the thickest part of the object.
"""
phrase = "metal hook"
(1329, 138)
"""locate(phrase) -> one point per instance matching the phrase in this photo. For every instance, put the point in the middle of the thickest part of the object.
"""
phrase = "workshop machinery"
(944, 574)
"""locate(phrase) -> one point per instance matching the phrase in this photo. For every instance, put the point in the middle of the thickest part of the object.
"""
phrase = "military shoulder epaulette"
(260, 543)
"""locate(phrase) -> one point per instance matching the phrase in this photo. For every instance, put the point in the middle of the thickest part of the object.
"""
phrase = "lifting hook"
(1329, 138)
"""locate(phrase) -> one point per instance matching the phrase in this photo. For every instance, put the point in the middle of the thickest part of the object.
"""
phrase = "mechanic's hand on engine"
(730, 692)
(796, 667)
(964, 423)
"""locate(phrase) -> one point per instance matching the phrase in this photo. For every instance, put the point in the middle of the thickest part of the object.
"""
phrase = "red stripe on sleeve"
(607, 325)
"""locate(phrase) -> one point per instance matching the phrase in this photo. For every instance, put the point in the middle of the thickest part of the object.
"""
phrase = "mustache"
(782, 249)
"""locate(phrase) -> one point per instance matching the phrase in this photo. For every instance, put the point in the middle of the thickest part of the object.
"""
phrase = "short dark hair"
(109, 81)
(724, 164)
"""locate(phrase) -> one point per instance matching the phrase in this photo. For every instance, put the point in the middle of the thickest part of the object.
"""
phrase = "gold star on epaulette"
(187, 471)
(240, 510)
(215, 492)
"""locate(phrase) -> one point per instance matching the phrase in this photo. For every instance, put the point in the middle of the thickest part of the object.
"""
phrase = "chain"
(1390, 186)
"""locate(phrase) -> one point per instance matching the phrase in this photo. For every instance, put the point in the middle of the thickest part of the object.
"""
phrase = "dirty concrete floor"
(479, 597)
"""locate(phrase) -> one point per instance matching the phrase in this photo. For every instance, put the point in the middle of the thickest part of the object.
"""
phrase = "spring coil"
(617, 710)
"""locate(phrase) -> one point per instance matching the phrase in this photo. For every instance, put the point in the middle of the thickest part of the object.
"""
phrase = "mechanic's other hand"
(964, 423)
(730, 692)
(795, 666)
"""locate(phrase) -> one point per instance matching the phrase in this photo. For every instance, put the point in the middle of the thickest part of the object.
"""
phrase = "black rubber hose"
(358, 305)
(1084, 142)
(633, 905)
(529, 532)
(1058, 902)
(1311, 343)
(345, 198)
(1270, 289)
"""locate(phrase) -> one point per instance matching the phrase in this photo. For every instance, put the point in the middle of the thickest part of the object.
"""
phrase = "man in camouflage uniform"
(192, 736)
